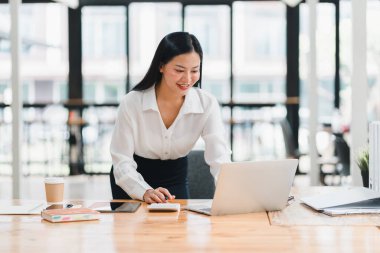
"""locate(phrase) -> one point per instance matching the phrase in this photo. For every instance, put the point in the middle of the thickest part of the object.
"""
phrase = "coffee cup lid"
(54, 180)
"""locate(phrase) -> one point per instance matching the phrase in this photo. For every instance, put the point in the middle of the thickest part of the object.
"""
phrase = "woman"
(159, 122)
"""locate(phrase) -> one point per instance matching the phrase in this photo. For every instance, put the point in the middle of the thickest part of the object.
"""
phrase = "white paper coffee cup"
(54, 188)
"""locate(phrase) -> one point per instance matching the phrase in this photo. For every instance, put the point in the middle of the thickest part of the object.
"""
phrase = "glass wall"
(325, 60)
(115, 36)
(373, 61)
(258, 56)
(5, 66)
(211, 25)
(149, 23)
(104, 37)
(5, 91)
(43, 51)
(345, 28)
(259, 68)
(44, 71)
(104, 53)
(259, 51)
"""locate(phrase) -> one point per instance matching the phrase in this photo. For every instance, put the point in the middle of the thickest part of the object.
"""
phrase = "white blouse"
(139, 130)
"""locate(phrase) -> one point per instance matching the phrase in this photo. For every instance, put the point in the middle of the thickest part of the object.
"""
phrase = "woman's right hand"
(158, 195)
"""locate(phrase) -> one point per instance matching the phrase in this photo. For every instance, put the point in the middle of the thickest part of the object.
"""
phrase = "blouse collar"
(192, 103)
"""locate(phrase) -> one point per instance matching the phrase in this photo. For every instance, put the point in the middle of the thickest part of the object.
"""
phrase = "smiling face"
(180, 73)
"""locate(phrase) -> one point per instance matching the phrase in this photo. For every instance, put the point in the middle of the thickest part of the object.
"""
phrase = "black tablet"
(116, 207)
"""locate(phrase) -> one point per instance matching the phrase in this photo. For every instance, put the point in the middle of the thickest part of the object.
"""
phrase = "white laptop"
(246, 187)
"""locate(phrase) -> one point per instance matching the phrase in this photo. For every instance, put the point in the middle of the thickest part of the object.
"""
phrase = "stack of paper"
(361, 207)
(346, 201)
(374, 156)
(32, 208)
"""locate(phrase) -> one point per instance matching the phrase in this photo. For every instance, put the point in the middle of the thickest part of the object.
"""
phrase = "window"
(44, 71)
(325, 60)
(259, 51)
(149, 23)
(211, 25)
(43, 31)
(104, 53)
(373, 61)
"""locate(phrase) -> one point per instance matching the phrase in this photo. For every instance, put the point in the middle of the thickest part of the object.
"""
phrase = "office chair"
(341, 161)
(117, 191)
(201, 182)
(343, 154)
(290, 146)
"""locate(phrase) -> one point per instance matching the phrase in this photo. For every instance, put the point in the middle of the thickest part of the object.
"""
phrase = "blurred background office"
(77, 63)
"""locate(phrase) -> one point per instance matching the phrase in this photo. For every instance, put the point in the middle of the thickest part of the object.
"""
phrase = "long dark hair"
(170, 46)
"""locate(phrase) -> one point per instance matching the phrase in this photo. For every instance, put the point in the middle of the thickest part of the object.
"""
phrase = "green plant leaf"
(363, 160)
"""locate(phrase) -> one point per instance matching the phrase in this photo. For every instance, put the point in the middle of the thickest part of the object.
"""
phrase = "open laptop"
(246, 187)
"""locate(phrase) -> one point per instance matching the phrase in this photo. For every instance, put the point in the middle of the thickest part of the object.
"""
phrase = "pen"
(73, 206)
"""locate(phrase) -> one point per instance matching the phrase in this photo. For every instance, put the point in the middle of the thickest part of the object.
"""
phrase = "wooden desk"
(180, 232)
(297, 214)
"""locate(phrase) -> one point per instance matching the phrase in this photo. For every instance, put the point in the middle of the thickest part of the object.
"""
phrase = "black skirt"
(169, 174)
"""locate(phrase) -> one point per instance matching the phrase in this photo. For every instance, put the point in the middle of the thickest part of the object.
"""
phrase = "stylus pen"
(73, 206)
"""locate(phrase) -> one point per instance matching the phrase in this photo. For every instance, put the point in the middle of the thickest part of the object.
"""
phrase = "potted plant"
(362, 161)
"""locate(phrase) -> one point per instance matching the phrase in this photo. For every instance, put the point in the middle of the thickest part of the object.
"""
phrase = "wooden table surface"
(184, 231)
